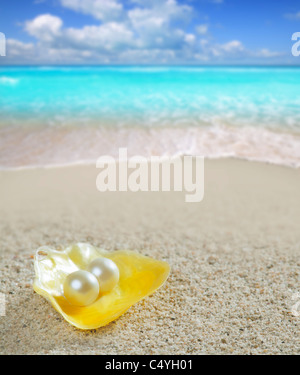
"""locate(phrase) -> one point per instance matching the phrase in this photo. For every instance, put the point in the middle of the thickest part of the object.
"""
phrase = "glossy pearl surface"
(81, 288)
(106, 272)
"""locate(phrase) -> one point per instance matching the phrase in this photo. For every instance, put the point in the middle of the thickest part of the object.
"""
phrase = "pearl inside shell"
(106, 272)
(81, 288)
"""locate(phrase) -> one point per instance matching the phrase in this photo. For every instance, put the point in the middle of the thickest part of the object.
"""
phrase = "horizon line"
(152, 65)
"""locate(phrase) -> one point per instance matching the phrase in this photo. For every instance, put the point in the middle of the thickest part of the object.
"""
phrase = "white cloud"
(15, 48)
(202, 29)
(48, 29)
(149, 31)
(190, 38)
(293, 16)
(158, 14)
(44, 27)
(230, 49)
(146, 19)
(143, 56)
(157, 23)
(234, 45)
(104, 10)
(265, 52)
(104, 37)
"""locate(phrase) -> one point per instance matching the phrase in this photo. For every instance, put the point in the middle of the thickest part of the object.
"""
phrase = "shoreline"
(54, 147)
(92, 163)
(234, 260)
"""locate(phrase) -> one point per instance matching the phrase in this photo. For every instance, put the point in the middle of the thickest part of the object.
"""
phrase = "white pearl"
(81, 288)
(106, 272)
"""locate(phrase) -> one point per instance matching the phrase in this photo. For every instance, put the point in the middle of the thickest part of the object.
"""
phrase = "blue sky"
(149, 31)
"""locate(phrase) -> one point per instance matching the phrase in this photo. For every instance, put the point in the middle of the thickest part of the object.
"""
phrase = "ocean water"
(59, 115)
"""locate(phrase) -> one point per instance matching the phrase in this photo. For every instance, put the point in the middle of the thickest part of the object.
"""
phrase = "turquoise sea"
(249, 112)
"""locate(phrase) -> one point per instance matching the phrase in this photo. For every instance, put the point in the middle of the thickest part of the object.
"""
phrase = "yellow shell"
(139, 277)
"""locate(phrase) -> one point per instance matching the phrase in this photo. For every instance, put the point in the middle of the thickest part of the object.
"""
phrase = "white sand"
(235, 261)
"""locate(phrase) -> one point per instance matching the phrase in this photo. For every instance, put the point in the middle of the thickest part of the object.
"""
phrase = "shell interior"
(139, 277)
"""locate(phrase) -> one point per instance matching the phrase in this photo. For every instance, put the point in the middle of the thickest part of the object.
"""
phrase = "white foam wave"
(8, 81)
(56, 147)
